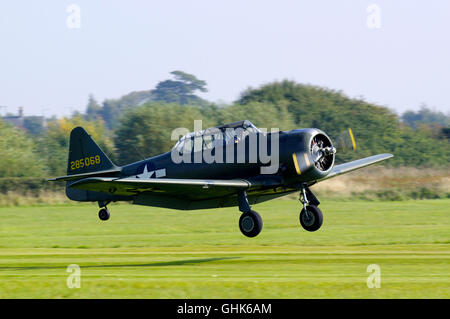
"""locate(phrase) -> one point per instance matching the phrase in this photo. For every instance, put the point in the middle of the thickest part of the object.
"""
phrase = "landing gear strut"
(311, 217)
(103, 214)
(250, 222)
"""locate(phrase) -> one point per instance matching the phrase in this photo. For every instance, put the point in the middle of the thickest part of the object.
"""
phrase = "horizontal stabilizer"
(85, 175)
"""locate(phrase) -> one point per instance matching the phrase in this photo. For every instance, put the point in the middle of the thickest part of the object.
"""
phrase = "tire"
(103, 214)
(313, 220)
(250, 223)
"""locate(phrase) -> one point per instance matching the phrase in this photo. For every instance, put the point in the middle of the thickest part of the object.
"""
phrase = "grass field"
(144, 252)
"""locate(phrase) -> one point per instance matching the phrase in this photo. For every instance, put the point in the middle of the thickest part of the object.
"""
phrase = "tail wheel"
(103, 214)
(312, 218)
(250, 223)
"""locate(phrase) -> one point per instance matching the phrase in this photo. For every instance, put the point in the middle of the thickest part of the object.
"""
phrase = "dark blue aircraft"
(230, 165)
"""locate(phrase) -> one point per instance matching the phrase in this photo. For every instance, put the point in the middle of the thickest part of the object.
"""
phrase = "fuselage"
(292, 160)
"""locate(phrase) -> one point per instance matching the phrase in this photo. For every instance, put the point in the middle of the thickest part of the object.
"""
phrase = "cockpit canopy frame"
(215, 136)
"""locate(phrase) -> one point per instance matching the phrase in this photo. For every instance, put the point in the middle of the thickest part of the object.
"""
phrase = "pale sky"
(123, 46)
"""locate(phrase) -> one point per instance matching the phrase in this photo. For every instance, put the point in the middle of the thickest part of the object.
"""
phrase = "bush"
(426, 193)
(28, 186)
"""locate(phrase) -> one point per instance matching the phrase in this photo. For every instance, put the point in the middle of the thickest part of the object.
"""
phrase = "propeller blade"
(346, 142)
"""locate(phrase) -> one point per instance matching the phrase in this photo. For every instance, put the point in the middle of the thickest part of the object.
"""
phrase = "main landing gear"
(103, 214)
(311, 217)
(250, 222)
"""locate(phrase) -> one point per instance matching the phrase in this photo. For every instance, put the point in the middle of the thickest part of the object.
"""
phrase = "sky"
(53, 54)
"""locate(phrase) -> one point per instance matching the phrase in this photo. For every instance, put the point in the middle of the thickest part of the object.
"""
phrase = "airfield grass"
(144, 252)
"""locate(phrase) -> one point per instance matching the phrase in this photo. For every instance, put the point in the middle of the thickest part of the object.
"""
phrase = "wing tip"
(387, 155)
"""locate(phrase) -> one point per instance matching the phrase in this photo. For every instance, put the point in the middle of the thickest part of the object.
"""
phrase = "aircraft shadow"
(156, 264)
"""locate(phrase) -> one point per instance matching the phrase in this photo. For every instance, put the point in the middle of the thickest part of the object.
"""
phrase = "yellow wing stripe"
(352, 137)
(294, 157)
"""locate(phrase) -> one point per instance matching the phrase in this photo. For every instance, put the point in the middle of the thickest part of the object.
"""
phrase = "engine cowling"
(314, 154)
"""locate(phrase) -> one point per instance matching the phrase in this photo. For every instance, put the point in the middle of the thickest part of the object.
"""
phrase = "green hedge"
(29, 185)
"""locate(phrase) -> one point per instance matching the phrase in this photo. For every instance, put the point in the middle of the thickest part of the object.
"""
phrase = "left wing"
(185, 188)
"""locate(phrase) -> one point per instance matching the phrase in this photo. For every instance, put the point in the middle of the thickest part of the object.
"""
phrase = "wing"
(354, 165)
(192, 189)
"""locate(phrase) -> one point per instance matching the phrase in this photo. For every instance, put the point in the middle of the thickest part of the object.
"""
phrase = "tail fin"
(86, 159)
(85, 156)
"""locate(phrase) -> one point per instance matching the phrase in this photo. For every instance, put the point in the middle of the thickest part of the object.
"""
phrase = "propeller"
(322, 152)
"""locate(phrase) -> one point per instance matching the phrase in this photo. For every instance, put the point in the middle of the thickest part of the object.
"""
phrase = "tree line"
(139, 125)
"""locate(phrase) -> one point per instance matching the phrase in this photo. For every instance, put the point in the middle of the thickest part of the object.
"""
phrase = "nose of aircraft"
(314, 153)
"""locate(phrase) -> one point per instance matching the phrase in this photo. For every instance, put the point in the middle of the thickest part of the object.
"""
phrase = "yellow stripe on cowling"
(352, 137)
(306, 159)
(294, 157)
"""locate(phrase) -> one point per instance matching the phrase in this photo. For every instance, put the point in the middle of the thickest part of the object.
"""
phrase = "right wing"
(354, 165)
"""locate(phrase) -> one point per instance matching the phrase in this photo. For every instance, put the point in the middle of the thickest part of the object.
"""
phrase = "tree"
(146, 131)
(262, 114)
(425, 116)
(112, 109)
(34, 125)
(92, 109)
(376, 128)
(17, 152)
(190, 80)
(54, 146)
(181, 90)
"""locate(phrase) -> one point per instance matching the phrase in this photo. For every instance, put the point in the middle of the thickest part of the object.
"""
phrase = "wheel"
(250, 223)
(103, 214)
(313, 219)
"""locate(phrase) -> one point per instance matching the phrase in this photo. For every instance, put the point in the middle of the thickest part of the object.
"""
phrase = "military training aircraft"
(235, 164)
